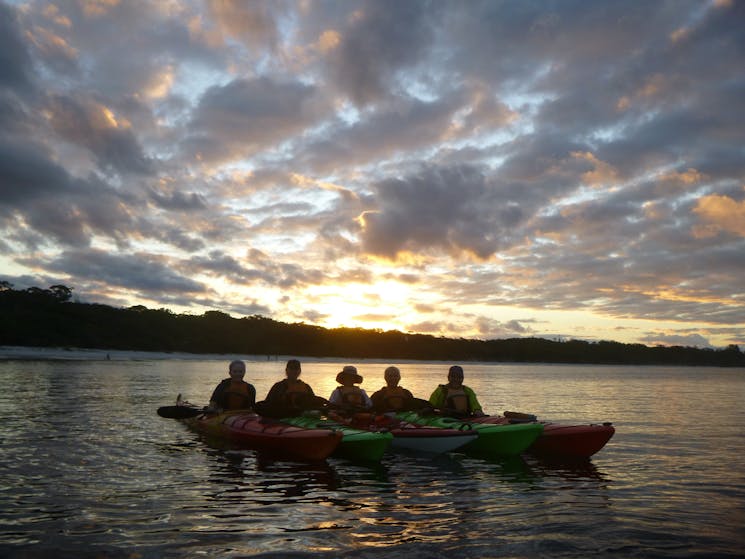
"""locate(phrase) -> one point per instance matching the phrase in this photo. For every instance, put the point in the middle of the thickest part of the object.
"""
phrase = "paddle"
(179, 412)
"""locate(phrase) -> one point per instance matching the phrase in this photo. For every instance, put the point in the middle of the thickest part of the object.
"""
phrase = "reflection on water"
(90, 471)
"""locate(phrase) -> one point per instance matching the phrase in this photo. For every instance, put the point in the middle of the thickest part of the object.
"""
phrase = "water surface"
(89, 470)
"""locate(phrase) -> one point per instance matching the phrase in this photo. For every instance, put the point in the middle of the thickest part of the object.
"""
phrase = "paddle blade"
(178, 412)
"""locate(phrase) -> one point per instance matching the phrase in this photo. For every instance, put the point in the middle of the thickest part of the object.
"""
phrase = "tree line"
(38, 317)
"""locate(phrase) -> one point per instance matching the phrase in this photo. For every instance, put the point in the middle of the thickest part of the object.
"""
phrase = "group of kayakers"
(292, 396)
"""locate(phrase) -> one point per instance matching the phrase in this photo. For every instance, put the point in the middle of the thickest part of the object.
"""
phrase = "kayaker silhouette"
(455, 398)
(233, 393)
(348, 395)
(290, 396)
(393, 397)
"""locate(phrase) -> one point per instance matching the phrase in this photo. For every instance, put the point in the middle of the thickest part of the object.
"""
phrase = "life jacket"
(237, 396)
(294, 395)
(456, 399)
(394, 398)
(352, 395)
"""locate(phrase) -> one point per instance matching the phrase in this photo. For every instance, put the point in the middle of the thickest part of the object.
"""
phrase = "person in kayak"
(233, 393)
(392, 397)
(290, 396)
(455, 398)
(348, 395)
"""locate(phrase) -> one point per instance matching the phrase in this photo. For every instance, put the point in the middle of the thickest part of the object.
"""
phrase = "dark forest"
(38, 317)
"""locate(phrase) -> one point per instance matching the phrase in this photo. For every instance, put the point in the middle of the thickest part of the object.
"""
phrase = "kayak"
(356, 444)
(410, 436)
(566, 441)
(579, 441)
(435, 440)
(252, 431)
(493, 439)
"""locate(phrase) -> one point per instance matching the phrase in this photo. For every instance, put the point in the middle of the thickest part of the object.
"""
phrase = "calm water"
(87, 469)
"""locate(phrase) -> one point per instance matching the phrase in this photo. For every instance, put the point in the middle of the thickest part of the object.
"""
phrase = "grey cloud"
(121, 48)
(52, 202)
(87, 124)
(386, 38)
(247, 116)
(428, 327)
(687, 340)
(15, 61)
(178, 200)
(405, 126)
(451, 209)
(258, 267)
(246, 309)
(27, 173)
(490, 329)
(312, 316)
(140, 272)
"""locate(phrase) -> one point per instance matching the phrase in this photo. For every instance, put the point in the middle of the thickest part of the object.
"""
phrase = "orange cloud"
(96, 8)
(329, 40)
(602, 174)
(720, 213)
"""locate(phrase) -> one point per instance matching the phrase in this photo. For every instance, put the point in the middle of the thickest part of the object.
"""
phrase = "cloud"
(720, 213)
(144, 273)
(253, 24)
(452, 209)
(249, 115)
(685, 340)
(15, 62)
(379, 41)
(576, 159)
(96, 127)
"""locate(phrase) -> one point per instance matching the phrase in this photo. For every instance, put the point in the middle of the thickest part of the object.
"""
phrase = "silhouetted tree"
(48, 317)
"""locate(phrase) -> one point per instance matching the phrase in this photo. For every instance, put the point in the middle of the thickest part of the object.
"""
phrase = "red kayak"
(257, 433)
(557, 440)
(577, 441)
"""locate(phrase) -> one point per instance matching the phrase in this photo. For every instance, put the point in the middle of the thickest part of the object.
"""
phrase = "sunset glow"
(456, 169)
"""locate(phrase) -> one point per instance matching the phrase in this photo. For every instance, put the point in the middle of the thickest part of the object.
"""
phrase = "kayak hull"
(356, 444)
(410, 436)
(251, 431)
(565, 441)
(431, 440)
(578, 441)
(492, 440)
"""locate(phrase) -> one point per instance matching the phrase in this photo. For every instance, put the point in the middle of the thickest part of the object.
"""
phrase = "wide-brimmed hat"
(349, 371)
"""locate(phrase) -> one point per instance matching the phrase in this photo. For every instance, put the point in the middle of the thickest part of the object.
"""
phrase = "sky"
(482, 169)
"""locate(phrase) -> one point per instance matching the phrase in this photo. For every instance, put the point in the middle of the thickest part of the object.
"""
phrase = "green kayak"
(356, 444)
(493, 440)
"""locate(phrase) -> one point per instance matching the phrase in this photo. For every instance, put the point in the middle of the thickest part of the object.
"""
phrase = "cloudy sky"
(565, 169)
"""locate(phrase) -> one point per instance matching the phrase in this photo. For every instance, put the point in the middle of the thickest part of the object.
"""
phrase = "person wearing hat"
(349, 395)
(392, 397)
(455, 398)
